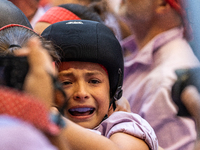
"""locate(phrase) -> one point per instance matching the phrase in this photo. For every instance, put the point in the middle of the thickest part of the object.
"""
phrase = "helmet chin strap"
(118, 92)
(117, 95)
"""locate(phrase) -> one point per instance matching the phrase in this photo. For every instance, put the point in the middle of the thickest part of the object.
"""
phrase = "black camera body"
(13, 71)
(185, 77)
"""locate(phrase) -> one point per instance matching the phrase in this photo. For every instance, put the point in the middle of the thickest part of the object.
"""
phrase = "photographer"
(185, 93)
(27, 111)
(191, 99)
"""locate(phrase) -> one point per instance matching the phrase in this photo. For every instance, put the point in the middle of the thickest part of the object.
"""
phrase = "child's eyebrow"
(88, 74)
(66, 74)
(93, 73)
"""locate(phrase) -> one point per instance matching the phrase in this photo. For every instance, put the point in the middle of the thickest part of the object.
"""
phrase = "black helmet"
(89, 41)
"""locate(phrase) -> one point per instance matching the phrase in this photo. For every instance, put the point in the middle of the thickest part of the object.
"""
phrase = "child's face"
(87, 87)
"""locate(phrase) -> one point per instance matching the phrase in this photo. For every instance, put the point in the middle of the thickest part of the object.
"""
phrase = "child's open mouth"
(83, 111)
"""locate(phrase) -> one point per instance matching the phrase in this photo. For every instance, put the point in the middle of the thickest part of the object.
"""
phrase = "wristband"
(57, 119)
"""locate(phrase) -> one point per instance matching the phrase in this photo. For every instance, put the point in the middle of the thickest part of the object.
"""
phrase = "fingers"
(21, 52)
(123, 105)
(39, 57)
(38, 81)
(191, 99)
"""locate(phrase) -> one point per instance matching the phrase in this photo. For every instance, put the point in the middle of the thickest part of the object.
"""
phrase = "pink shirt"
(16, 134)
(149, 76)
(131, 124)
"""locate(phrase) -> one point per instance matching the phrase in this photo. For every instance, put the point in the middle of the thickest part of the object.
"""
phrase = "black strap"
(14, 45)
(118, 93)
(58, 86)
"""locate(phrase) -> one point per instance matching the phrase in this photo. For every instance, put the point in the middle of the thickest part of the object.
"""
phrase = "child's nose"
(81, 92)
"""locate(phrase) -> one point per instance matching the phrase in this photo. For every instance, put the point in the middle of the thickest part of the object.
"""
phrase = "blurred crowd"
(98, 74)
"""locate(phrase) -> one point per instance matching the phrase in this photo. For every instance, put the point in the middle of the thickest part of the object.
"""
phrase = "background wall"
(193, 11)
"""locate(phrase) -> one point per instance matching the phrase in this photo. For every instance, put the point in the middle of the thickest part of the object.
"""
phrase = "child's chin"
(88, 125)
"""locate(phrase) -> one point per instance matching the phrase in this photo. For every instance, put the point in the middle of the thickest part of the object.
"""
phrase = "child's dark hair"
(14, 36)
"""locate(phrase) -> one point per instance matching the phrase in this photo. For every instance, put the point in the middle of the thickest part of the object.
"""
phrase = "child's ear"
(110, 110)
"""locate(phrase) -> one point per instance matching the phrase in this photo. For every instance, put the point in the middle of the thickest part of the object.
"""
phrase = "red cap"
(57, 14)
(26, 108)
(178, 5)
(104, 68)
(18, 25)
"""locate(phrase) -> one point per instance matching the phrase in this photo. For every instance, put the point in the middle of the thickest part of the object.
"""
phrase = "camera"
(13, 71)
(185, 77)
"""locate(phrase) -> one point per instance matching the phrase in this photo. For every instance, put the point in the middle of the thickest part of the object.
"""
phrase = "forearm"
(59, 141)
(44, 87)
(80, 138)
(38, 82)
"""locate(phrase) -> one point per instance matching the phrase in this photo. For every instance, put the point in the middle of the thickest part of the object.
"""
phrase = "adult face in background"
(59, 2)
(82, 2)
(28, 7)
(114, 4)
(10, 14)
(148, 18)
(135, 11)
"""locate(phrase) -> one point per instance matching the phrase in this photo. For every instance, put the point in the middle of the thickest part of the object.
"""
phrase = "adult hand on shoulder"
(121, 105)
